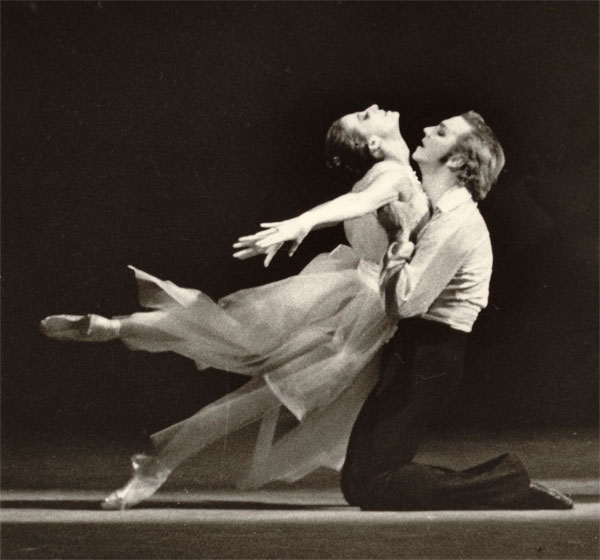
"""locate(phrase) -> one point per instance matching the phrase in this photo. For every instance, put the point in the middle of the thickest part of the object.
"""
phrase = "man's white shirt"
(445, 277)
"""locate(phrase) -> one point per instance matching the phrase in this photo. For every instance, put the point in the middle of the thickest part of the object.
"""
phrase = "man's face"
(373, 121)
(439, 140)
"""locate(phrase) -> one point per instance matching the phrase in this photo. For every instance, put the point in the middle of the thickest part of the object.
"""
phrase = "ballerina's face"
(373, 121)
(377, 123)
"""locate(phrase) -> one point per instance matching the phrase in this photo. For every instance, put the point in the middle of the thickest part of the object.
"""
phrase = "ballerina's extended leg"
(82, 328)
(177, 443)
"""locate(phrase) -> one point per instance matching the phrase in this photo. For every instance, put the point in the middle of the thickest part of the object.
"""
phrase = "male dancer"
(437, 287)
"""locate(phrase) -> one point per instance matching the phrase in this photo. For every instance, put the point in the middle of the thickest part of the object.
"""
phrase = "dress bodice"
(365, 234)
(367, 237)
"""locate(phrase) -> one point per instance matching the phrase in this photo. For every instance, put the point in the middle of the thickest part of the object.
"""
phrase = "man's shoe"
(542, 497)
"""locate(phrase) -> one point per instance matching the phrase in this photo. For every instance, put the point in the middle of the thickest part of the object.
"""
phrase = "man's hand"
(397, 254)
(400, 216)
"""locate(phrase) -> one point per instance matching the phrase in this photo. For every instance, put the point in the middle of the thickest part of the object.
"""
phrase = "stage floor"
(287, 524)
(51, 493)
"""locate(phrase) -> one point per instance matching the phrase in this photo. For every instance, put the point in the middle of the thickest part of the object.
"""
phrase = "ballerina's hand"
(294, 230)
(275, 234)
(249, 249)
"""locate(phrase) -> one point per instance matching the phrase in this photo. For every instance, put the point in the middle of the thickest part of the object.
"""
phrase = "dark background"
(155, 134)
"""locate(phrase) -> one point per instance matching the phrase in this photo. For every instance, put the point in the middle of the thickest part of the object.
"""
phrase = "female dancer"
(309, 342)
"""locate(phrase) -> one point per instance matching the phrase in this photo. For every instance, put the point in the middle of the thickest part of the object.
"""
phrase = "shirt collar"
(453, 198)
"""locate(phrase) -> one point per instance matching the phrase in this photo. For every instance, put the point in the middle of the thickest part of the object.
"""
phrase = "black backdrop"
(155, 133)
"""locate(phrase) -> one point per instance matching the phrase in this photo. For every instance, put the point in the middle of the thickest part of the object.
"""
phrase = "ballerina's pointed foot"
(146, 480)
(83, 328)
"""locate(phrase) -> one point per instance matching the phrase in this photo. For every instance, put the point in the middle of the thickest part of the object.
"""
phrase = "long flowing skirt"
(314, 339)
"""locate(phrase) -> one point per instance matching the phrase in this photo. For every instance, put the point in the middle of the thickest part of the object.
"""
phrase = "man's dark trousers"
(421, 373)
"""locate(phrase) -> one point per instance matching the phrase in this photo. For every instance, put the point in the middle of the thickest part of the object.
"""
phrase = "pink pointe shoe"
(146, 480)
(82, 328)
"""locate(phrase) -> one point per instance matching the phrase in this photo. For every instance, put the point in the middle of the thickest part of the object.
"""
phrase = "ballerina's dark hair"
(346, 152)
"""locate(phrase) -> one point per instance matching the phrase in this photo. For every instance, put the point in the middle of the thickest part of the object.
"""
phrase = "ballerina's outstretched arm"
(382, 187)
